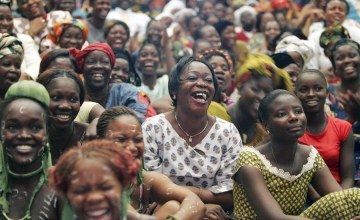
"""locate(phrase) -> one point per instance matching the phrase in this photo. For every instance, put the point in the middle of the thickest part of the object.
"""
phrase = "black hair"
(263, 111)
(343, 1)
(52, 55)
(179, 69)
(112, 23)
(282, 60)
(111, 114)
(221, 25)
(312, 71)
(198, 33)
(134, 76)
(340, 43)
(46, 77)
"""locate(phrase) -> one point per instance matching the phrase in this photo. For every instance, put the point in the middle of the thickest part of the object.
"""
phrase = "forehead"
(196, 67)
(5, 10)
(283, 101)
(148, 47)
(121, 123)
(217, 59)
(346, 48)
(97, 54)
(20, 105)
(73, 28)
(61, 82)
(310, 77)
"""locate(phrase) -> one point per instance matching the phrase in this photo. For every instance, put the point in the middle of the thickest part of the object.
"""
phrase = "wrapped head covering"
(263, 65)
(173, 6)
(80, 55)
(282, 60)
(242, 9)
(10, 44)
(332, 34)
(293, 44)
(5, 2)
(59, 27)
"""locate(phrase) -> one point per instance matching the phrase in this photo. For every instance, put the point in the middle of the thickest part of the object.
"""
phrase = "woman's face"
(101, 8)
(148, 60)
(94, 191)
(72, 37)
(97, 70)
(335, 12)
(67, 5)
(117, 37)
(9, 71)
(293, 70)
(120, 72)
(61, 63)
(347, 63)
(6, 20)
(32, 8)
(207, 9)
(154, 32)
(196, 89)
(210, 34)
(251, 93)
(222, 71)
(286, 119)
(312, 91)
(64, 101)
(228, 37)
(272, 29)
(126, 130)
(268, 16)
(201, 47)
(195, 24)
(24, 132)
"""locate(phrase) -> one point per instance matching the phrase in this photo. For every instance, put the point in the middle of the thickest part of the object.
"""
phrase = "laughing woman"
(66, 96)
(199, 154)
(24, 154)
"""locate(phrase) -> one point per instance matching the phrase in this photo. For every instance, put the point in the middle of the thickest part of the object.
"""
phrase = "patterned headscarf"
(59, 27)
(263, 65)
(9, 44)
(293, 44)
(80, 55)
(213, 52)
(332, 34)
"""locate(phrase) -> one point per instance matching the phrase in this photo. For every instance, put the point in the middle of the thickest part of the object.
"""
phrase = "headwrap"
(214, 52)
(263, 65)
(293, 44)
(80, 55)
(59, 27)
(10, 44)
(37, 92)
(332, 34)
(5, 2)
(282, 60)
(173, 6)
(242, 9)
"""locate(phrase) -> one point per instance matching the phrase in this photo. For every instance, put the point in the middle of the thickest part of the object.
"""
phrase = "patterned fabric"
(332, 34)
(209, 164)
(344, 204)
(59, 27)
(10, 44)
(288, 190)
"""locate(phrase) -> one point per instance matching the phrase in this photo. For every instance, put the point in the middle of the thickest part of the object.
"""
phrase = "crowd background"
(218, 109)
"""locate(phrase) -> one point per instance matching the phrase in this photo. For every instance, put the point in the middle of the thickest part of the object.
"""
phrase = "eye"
(298, 111)
(280, 114)
(138, 140)
(74, 99)
(209, 80)
(55, 98)
(192, 79)
(105, 62)
(318, 88)
(36, 128)
(80, 191)
(120, 139)
(12, 128)
(107, 187)
(302, 89)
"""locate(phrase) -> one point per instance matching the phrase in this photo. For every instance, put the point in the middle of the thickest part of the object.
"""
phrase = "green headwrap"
(10, 44)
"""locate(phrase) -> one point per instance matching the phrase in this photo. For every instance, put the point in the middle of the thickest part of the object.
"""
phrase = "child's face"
(94, 191)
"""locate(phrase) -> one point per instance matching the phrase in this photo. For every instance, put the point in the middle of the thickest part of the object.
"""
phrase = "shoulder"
(157, 119)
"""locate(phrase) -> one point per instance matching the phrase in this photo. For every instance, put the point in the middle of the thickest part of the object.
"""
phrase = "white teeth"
(96, 213)
(24, 148)
(63, 116)
(201, 95)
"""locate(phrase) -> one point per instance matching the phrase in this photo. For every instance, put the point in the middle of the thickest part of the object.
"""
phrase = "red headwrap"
(80, 55)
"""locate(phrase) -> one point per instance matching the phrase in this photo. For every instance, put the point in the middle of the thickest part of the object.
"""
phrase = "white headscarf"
(239, 11)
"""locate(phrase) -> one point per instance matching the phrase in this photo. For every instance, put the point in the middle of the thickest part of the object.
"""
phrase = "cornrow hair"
(111, 114)
(208, 54)
(110, 153)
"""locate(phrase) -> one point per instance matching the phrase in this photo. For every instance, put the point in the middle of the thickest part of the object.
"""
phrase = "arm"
(162, 189)
(258, 195)
(95, 112)
(170, 61)
(347, 163)
(324, 183)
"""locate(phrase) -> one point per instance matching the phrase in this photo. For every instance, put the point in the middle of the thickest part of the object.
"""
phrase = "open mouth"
(24, 149)
(98, 76)
(63, 117)
(103, 214)
(312, 102)
(200, 96)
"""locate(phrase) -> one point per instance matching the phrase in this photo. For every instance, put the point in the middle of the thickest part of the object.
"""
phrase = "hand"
(351, 103)
(317, 15)
(37, 25)
(91, 131)
(215, 212)
(151, 208)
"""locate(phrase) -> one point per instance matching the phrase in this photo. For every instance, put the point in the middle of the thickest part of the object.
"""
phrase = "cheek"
(76, 201)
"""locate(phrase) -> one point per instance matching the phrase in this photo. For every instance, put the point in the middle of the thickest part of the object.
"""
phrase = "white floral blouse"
(209, 164)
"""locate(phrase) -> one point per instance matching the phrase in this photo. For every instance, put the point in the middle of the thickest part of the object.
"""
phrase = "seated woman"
(11, 56)
(199, 154)
(121, 124)
(124, 70)
(332, 137)
(104, 195)
(68, 34)
(271, 181)
(25, 155)
(67, 94)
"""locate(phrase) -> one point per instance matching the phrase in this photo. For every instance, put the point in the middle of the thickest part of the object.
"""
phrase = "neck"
(316, 122)
(97, 95)
(191, 128)
(149, 80)
(17, 171)
(284, 150)
(98, 23)
(352, 85)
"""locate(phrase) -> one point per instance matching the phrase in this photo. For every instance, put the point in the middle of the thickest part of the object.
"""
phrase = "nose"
(292, 116)
(311, 92)
(24, 134)
(95, 197)
(65, 105)
(260, 94)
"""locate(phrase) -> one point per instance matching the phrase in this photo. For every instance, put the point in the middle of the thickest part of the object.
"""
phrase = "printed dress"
(209, 164)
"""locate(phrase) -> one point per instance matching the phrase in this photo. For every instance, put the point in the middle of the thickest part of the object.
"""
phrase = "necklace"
(24, 175)
(188, 135)
(293, 162)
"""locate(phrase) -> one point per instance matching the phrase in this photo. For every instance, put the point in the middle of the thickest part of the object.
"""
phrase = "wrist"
(199, 192)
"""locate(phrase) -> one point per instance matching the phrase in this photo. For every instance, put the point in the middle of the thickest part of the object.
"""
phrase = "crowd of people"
(179, 109)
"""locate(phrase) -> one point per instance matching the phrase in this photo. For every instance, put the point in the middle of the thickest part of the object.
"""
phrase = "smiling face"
(24, 132)
(154, 32)
(9, 71)
(65, 101)
(72, 37)
(335, 12)
(222, 71)
(272, 29)
(228, 37)
(196, 89)
(293, 70)
(126, 130)
(252, 92)
(97, 70)
(121, 71)
(32, 8)
(67, 5)
(286, 119)
(94, 191)
(6, 20)
(117, 37)
(210, 34)
(101, 9)
(347, 63)
(148, 60)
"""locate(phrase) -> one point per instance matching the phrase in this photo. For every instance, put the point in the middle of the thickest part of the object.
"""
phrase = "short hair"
(263, 111)
(52, 55)
(46, 77)
(111, 114)
(198, 33)
(312, 71)
(112, 23)
(121, 161)
(134, 76)
(343, 1)
(179, 69)
(340, 43)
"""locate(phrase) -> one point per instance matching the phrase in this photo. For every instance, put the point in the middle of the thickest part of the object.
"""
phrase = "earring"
(174, 96)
